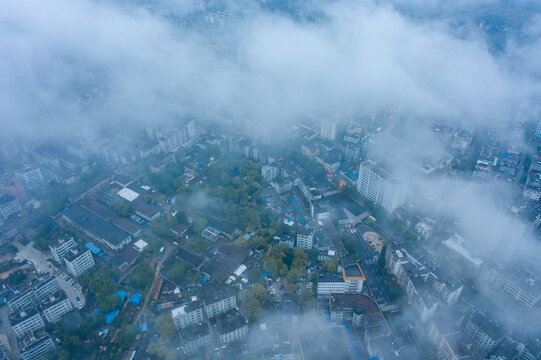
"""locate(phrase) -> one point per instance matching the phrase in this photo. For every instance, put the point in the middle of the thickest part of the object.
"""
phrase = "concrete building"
(36, 345)
(328, 129)
(32, 296)
(271, 172)
(26, 321)
(413, 283)
(305, 238)
(532, 190)
(232, 328)
(55, 306)
(78, 260)
(29, 175)
(378, 186)
(445, 338)
(188, 314)
(483, 333)
(96, 227)
(196, 337)
(359, 310)
(8, 205)
(220, 305)
(61, 247)
(350, 280)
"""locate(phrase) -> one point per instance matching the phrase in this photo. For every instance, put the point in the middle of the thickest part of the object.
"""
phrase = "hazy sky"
(72, 65)
(261, 67)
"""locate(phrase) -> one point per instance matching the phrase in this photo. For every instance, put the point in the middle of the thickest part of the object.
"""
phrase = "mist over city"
(270, 179)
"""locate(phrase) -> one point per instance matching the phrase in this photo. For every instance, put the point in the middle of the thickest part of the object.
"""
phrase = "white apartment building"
(376, 184)
(55, 307)
(61, 247)
(24, 322)
(328, 129)
(78, 261)
(219, 306)
(36, 346)
(188, 314)
(305, 238)
(232, 329)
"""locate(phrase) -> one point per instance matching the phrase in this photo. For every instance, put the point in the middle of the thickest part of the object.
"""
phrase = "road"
(5, 328)
(168, 250)
(374, 277)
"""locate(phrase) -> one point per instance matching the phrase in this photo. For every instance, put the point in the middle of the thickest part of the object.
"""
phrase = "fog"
(85, 66)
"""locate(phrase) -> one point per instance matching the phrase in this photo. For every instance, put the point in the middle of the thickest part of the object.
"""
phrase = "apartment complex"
(378, 186)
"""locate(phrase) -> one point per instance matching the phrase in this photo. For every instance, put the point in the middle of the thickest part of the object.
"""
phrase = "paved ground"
(374, 277)
(38, 259)
(71, 292)
(5, 328)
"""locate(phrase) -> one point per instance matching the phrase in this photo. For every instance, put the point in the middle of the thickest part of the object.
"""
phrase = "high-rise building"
(305, 238)
(78, 261)
(220, 305)
(26, 321)
(328, 129)
(36, 345)
(188, 314)
(55, 306)
(378, 186)
(8, 205)
(61, 247)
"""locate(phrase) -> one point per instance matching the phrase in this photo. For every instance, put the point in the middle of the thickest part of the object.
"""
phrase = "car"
(77, 298)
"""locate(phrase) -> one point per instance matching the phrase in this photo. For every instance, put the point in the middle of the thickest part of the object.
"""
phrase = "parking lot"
(36, 258)
(72, 289)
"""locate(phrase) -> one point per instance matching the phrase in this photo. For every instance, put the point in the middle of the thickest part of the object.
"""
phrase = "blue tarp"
(111, 316)
(122, 295)
(136, 298)
(93, 248)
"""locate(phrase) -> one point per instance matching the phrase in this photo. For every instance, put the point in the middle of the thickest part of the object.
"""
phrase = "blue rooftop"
(93, 248)
(136, 298)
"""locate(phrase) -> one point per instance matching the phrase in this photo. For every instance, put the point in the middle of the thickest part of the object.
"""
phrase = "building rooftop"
(95, 225)
(353, 272)
(231, 323)
(187, 308)
(194, 332)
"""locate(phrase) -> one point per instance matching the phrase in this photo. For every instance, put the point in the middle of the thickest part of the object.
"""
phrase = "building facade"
(78, 261)
(376, 185)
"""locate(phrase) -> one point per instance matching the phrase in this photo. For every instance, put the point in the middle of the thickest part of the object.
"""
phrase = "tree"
(307, 299)
(331, 265)
(199, 224)
(161, 351)
(178, 271)
(126, 336)
(258, 242)
(108, 302)
(141, 276)
(348, 244)
(165, 327)
(122, 207)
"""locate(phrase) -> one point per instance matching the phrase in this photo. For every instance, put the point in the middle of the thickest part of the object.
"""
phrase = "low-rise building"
(350, 280)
